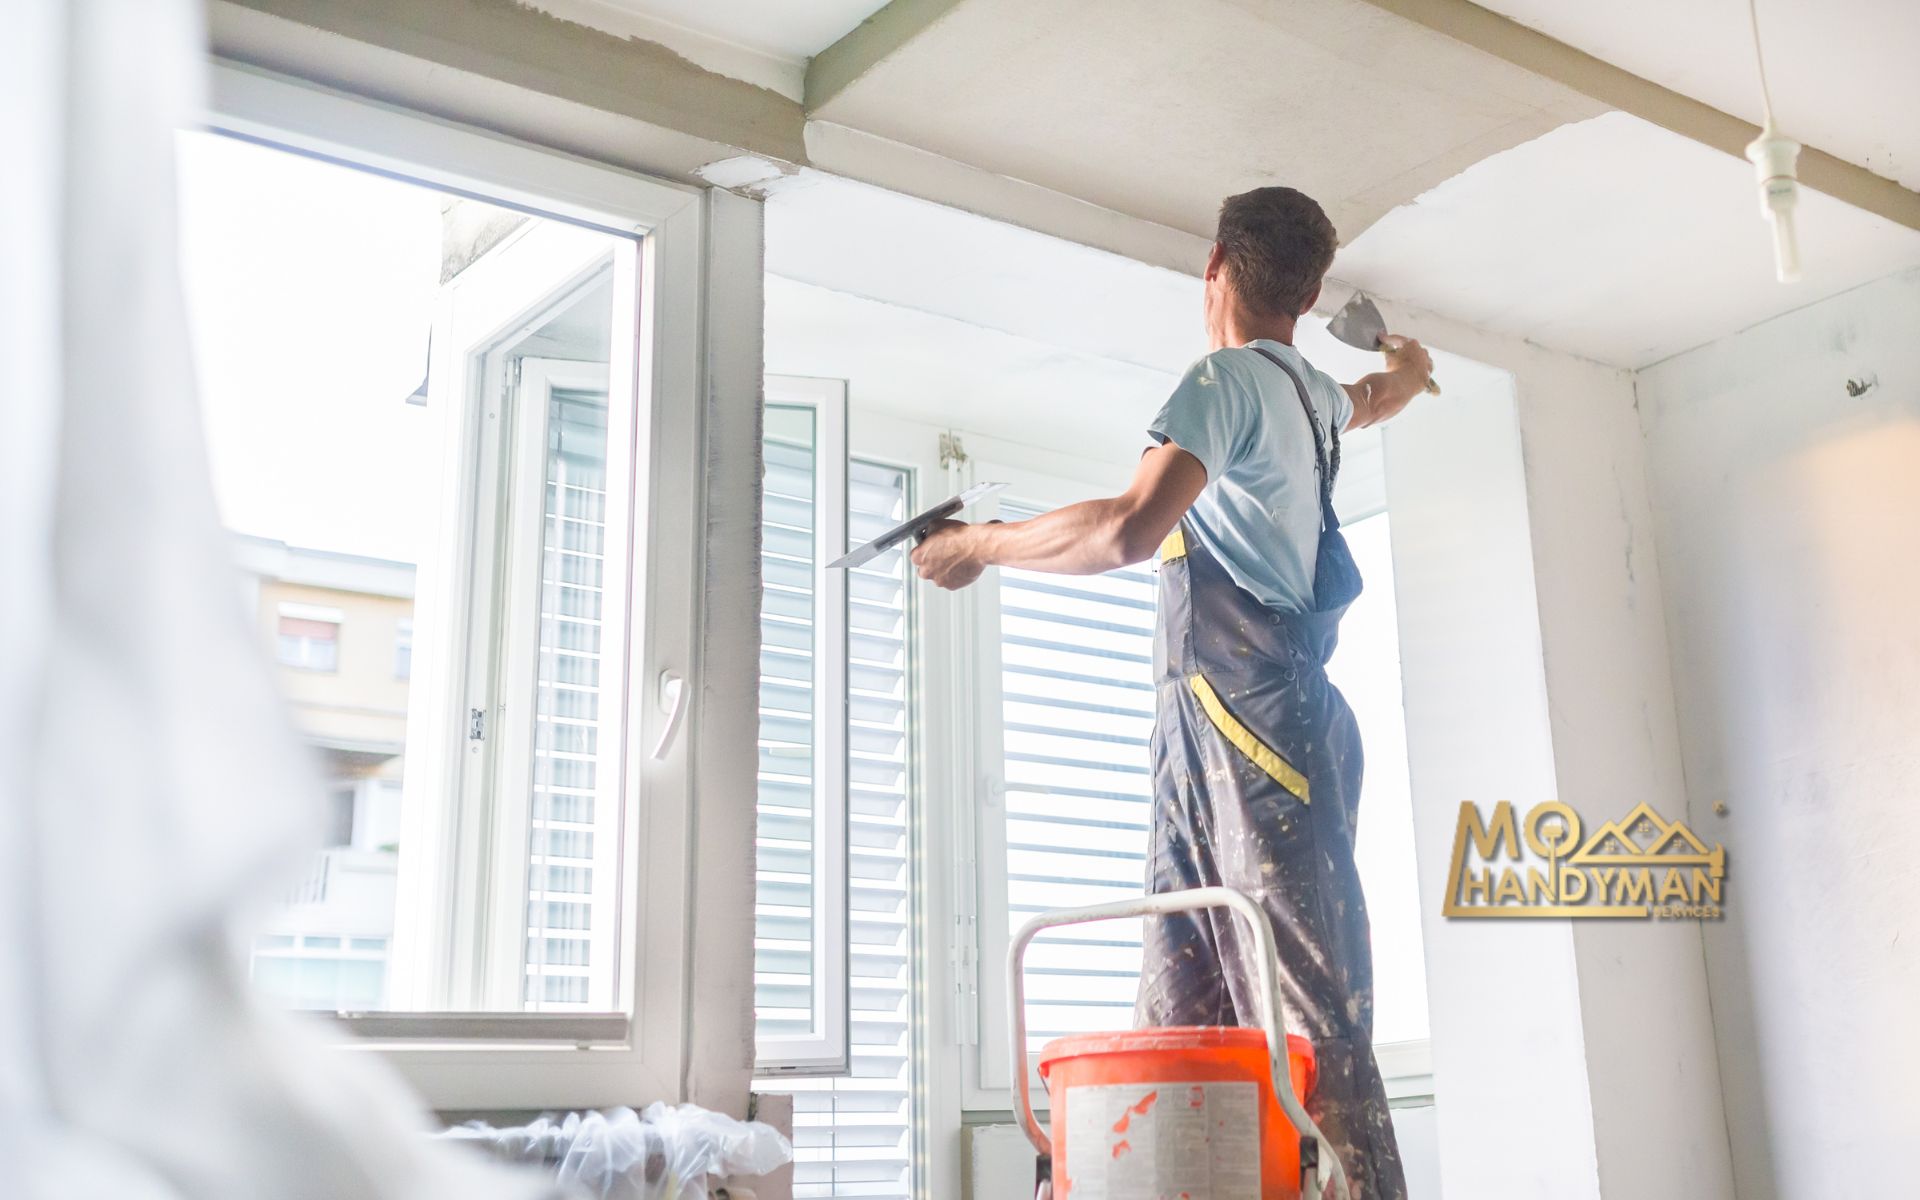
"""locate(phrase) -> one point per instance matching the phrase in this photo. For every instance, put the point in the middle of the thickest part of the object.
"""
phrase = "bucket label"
(1172, 1140)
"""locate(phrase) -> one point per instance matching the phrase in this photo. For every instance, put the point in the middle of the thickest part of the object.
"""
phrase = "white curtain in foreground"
(150, 781)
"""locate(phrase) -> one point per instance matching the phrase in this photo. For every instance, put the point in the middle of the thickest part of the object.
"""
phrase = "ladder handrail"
(1272, 1015)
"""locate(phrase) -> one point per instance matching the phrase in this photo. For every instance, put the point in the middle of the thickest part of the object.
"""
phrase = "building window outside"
(308, 638)
(403, 648)
(342, 800)
(325, 972)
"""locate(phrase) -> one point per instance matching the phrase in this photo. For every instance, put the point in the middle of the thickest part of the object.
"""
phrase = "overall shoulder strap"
(1327, 462)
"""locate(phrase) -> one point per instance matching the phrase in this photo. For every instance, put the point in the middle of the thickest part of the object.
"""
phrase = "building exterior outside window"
(326, 947)
(308, 637)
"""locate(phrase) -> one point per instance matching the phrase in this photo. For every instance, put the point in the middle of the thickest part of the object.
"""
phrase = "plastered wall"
(1787, 519)
(1571, 1058)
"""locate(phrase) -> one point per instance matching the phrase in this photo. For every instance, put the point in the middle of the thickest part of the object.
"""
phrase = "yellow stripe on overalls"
(1263, 756)
(1175, 546)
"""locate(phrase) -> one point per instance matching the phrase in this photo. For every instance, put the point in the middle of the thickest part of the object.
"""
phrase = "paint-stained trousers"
(1256, 766)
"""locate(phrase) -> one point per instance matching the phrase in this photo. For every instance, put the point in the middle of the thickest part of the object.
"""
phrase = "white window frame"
(510, 1059)
(504, 931)
(826, 1048)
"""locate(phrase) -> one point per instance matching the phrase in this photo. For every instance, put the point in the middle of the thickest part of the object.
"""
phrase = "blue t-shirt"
(1259, 514)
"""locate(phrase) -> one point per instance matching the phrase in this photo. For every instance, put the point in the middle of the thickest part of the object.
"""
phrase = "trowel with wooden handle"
(1361, 326)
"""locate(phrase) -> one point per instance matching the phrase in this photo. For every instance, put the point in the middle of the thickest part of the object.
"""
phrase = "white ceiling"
(794, 29)
(881, 245)
(1615, 240)
(1845, 74)
(950, 319)
(763, 42)
(923, 367)
(1158, 110)
(1461, 183)
(976, 273)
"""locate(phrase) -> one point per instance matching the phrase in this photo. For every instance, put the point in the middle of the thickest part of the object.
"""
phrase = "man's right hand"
(1406, 356)
(1384, 393)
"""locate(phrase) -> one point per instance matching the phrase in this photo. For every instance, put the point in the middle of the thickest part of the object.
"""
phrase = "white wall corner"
(1659, 1127)
(1509, 1060)
(726, 713)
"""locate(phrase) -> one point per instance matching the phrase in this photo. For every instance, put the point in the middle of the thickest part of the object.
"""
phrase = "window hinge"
(965, 958)
(477, 725)
(952, 453)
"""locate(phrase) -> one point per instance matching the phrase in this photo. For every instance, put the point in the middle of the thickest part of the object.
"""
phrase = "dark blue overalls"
(1256, 768)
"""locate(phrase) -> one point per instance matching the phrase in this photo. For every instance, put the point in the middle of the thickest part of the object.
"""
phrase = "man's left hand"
(946, 556)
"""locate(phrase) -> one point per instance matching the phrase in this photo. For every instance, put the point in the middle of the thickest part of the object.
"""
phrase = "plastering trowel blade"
(1361, 326)
(914, 527)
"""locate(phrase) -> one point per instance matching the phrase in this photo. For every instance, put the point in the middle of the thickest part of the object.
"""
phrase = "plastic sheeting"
(149, 779)
(667, 1154)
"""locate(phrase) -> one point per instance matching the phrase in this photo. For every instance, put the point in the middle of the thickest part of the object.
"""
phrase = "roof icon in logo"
(1643, 838)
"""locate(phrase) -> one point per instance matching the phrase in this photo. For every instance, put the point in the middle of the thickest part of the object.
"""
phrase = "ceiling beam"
(868, 44)
(1534, 51)
(509, 42)
(886, 31)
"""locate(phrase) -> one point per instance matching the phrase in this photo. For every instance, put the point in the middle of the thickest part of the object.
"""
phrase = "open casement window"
(513, 932)
(1062, 706)
(836, 864)
(800, 920)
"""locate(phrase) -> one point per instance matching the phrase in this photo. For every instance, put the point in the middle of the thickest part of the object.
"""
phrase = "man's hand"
(1408, 358)
(1080, 539)
(946, 556)
(1384, 393)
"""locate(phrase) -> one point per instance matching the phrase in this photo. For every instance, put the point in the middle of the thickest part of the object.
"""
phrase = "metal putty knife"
(1360, 325)
(915, 526)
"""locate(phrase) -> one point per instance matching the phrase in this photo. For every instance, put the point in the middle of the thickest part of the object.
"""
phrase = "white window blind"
(1076, 690)
(783, 962)
(800, 935)
(853, 1132)
(568, 810)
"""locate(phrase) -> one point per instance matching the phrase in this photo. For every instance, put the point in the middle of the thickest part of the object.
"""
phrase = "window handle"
(673, 702)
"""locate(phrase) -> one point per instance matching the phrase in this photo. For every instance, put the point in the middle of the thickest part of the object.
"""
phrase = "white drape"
(150, 781)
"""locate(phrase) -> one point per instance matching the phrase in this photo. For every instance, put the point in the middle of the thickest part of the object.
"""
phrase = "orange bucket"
(1185, 1112)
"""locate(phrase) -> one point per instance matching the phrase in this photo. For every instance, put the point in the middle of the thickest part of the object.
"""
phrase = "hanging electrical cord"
(1773, 158)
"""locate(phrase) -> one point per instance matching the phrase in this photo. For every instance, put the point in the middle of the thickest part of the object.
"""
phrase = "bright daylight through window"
(406, 393)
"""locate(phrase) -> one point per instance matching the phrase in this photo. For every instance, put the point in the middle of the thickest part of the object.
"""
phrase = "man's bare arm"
(1383, 394)
(1080, 539)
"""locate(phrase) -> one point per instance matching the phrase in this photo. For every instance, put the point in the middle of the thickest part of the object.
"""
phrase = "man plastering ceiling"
(1256, 756)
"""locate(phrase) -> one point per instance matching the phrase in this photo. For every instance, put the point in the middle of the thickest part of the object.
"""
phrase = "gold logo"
(1639, 866)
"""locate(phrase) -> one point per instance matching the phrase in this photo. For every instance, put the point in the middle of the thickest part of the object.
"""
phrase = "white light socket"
(1773, 159)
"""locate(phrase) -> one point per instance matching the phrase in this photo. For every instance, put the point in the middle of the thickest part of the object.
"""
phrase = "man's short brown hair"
(1276, 244)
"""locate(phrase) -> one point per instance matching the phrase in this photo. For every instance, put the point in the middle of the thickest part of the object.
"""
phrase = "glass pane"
(395, 500)
(784, 909)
